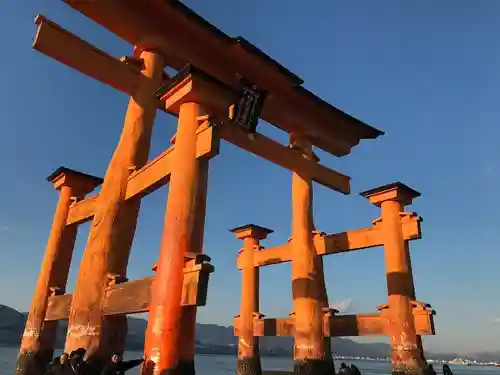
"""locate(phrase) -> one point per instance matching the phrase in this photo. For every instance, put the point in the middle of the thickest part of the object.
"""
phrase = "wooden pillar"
(413, 294)
(111, 234)
(187, 340)
(165, 312)
(407, 355)
(326, 309)
(38, 341)
(248, 345)
(309, 352)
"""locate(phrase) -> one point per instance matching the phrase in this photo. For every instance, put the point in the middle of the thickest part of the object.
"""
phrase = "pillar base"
(30, 363)
(312, 367)
(400, 369)
(249, 366)
(185, 368)
(409, 360)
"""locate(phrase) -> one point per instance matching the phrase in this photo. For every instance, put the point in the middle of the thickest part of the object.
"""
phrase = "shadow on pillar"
(249, 366)
(312, 367)
(36, 362)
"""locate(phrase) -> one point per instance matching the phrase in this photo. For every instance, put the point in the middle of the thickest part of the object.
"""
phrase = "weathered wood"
(338, 242)
(306, 281)
(58, 307)
(407, 354)
(187, 340)
(151, 177)
(376, 324)
(61, 45)
(133, 297)
(285, 157)
(156, 24)
(248, 346)
(38, 341)
(115, 218)
(162, 335)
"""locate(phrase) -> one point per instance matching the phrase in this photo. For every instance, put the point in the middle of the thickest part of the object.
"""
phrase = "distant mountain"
(210, 338)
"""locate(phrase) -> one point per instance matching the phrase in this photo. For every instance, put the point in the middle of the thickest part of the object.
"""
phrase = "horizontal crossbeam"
(337, 243)
(61, 45)
(376, 324)
(285, 157)
(191, 84)
(58, 43)
(149, 178)
(133, 297)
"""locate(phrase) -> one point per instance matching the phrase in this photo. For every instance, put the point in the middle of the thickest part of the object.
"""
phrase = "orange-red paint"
(39, 337)
(307, 304)
(248, 345)
(114, 222)
(407, 352)
(187, 340)
(165, 311)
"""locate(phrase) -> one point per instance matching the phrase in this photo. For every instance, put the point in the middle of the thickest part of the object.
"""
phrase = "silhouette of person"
(344, 369)
(59, 365)
(117, 366)
(447, 370)
(77, 361)
(431, 370)
(355, 370)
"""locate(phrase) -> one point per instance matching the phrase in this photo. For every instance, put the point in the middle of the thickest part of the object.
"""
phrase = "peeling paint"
(32, 333)
(80, 330)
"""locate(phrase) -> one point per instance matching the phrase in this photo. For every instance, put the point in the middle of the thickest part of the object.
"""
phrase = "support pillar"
(407, 353)
(248, 345)
(309, 350)
(163, 330)
(112, 231)
(187, 340)
(330, 369)
(38, 341)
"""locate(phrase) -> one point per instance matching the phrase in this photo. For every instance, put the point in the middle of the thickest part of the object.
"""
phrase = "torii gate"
(222, 98)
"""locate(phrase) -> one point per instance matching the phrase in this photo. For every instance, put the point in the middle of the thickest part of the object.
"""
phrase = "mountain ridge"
(210, 338)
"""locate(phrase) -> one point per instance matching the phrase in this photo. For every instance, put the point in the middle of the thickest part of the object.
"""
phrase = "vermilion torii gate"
(232, 85)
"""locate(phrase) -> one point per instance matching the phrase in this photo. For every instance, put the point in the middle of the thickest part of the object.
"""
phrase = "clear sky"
(426, 72)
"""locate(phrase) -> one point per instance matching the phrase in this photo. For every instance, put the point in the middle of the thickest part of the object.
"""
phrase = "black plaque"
(250, 103)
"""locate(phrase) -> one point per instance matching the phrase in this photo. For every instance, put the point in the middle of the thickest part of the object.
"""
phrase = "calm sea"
(220, 364)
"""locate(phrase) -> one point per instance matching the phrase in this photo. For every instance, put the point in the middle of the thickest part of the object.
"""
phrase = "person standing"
(117, 366)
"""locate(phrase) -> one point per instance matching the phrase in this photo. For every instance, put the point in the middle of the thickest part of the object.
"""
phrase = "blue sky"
(425, 72)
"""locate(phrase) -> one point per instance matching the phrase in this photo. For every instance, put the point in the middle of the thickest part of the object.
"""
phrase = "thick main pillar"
(248, 345)
(187, 340)
(111, 234)
(38, 341)
(309, 353)
(407, 354)
(165, 312)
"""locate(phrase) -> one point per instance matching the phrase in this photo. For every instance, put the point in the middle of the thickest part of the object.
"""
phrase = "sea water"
(226, 364)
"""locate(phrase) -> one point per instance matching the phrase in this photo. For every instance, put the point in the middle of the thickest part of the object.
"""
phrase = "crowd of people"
(353, 370)
(75, 364)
